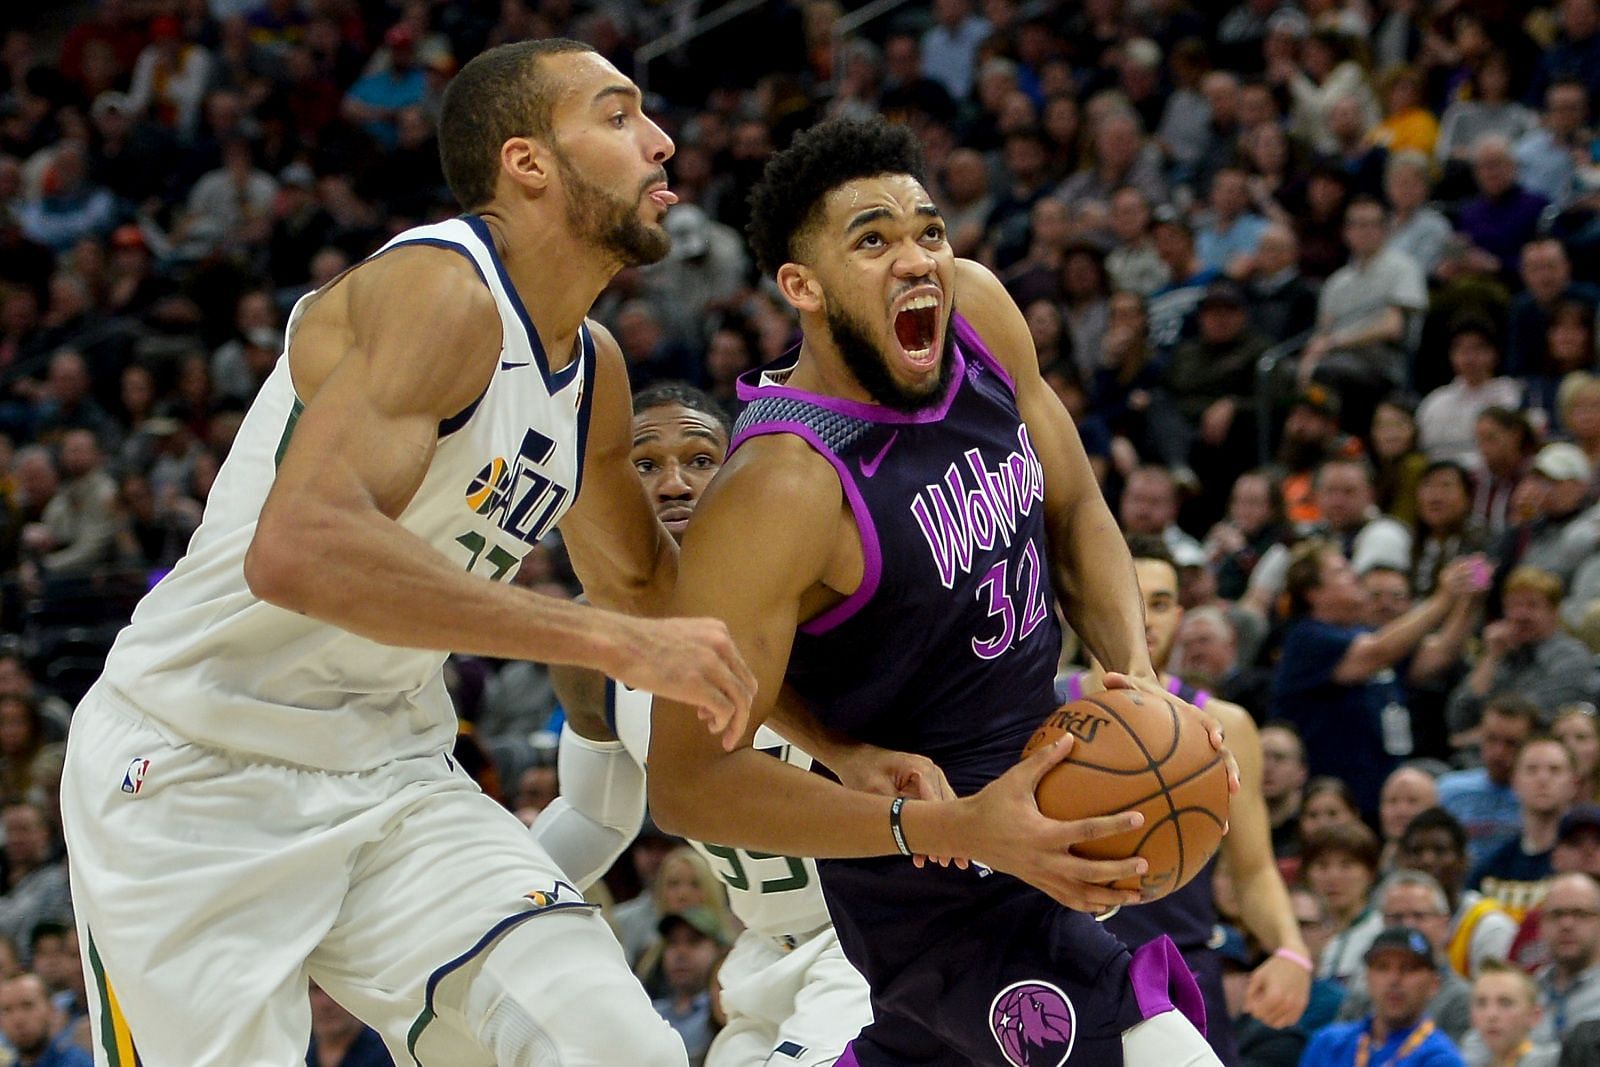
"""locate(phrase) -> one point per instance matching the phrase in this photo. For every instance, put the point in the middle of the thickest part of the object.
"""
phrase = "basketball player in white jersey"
(790, 996)
(259, 789)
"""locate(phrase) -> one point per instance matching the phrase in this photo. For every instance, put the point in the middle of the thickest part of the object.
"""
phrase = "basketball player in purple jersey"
(1279, 987)
(903, 500)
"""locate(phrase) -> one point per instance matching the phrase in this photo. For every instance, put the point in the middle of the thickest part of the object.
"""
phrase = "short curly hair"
(819, 160)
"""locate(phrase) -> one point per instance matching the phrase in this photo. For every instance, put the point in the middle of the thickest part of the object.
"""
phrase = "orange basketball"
(1135, 751)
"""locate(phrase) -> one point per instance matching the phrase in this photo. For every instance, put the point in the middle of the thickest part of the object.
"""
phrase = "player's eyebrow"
(874, 214)
(629, 91)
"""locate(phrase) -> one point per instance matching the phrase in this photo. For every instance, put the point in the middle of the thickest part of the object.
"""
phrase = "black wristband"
(895, 827)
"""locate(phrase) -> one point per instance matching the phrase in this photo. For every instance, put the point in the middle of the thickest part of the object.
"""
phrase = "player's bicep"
(759, 540)
(376, 385)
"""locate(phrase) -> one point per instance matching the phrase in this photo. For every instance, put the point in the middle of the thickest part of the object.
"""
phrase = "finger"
(1084, 896)
(1108, 872)
(1079, 830)
(1117, 680)
(1036, 766)
(919, 861)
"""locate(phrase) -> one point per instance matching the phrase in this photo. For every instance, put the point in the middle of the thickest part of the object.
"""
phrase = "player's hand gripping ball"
(1136, 751)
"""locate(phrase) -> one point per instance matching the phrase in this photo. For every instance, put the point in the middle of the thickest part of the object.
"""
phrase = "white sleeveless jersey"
(773, 895)
(220, 667)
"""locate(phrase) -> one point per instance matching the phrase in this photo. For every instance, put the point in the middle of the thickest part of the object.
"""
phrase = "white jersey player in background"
(259, 791)
(788, 992)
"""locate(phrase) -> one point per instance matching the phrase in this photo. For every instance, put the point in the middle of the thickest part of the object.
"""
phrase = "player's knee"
(522, 1010)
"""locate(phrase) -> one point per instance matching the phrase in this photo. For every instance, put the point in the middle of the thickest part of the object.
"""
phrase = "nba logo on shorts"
(1034, 1023)
(133, 777)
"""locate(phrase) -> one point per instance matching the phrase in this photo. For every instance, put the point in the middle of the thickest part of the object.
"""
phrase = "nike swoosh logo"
(870, 467)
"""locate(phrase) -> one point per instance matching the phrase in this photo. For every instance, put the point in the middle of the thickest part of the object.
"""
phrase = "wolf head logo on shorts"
(133, 777)
(1034, 1023)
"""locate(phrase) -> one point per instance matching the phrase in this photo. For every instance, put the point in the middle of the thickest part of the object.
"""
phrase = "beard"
(607, 220)
(867, 364)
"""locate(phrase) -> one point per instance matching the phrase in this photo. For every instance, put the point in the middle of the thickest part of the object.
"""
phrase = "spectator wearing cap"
(1569, 985)
(376, 100)
(133, 286)
(1231, 233)
(703, 275)
(1207, 391)
(1558, 533)
(693, 941)
(1335, 679)
(130, 156)
(1172, 307)
(1446, 417)
(170, 77)
(1360, 346)
(1414, 901)
(1526, 652)
(301, 226)
(1403, 975)
(1311, 436)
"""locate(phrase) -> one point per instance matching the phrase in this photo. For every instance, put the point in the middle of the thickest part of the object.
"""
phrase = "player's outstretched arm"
(1090, 564)
(625, 558)
(768, 547)
(401, 344)
(1280, 987)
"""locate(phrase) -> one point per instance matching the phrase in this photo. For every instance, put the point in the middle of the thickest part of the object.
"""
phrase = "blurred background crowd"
(1317, 279)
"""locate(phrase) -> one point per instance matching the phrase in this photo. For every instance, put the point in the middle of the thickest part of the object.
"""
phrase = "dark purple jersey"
(949, 647)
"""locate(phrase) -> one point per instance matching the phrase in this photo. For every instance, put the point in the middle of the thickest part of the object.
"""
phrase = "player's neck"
(557, 274)
(820, 369)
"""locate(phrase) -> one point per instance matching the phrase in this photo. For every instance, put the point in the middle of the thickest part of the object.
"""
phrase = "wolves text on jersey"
(958, 520)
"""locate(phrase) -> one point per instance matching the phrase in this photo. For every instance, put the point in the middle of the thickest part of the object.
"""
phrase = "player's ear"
(527, 162)
(800, 287)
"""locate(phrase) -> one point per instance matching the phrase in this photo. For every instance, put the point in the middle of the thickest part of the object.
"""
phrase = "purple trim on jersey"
(856, 409)
(1075, 687)
(1176, 687)
(968, 338)
(848, 1058)
(1162, 982)
(871, 553)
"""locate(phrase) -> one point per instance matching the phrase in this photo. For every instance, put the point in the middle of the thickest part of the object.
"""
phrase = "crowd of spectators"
(1315, 278)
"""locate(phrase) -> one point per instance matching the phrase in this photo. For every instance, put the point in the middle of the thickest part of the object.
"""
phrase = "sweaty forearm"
(1266, 910)
(1099, 592)
(784, 810)
(396, 589)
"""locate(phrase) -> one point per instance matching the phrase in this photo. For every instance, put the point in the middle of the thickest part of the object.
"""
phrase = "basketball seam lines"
(1155, 768)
